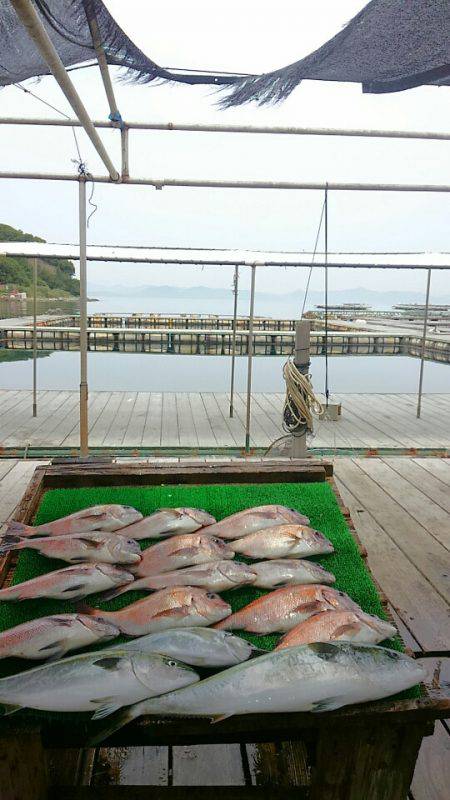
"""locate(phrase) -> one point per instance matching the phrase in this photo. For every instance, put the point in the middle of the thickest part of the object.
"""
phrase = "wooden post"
(302, 362)
(84, 445)
(424, 341)
(22, 768)
(34, 337)
(250, 359)
(233, 346)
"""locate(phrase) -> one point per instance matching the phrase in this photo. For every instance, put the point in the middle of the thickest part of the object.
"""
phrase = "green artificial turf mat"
(316, 500)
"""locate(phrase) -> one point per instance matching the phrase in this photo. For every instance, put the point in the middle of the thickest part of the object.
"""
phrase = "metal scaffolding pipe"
(203, 183)
(34, 337)
(424, 338)
(192, 127)
(103, 64)
(233, 345)
(31, 20)
(84, 442)
(250, 359)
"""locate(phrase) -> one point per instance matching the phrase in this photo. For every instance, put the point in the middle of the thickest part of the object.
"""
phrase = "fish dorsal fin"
(91, 512)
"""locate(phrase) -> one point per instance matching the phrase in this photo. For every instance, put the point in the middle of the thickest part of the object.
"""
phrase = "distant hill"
(56, 276)
(374, 298)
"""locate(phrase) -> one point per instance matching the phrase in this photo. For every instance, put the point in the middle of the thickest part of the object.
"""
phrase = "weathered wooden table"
(365, 752)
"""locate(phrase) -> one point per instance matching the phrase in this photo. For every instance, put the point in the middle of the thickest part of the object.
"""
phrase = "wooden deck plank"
(13, 486)
(64, 424)
(169, 428)
(99, 434)
(439, 467)
(151, 436)
(186, 427)
(6, 465)
(429, 485)
(431, 779)
(235, 423)
(431, 516)
(422, 610)
(385, 415)
(208, 765)
(415, 542)
(135, 429)
(131, 766)
(71, 433)
(37, 428)
(222, 432)
(205, 433)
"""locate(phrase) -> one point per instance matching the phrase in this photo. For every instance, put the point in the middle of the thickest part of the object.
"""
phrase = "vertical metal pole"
(327, 390)
(233, 345)
(302, 362)
(84, 445)
(34, 337)
(124, 151)
(250, 359)
(424, 337)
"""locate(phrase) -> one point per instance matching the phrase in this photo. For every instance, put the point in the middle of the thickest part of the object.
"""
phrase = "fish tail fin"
(12, 542)
(19, 529)
(83, 608)
(113, 724)
(117, 591)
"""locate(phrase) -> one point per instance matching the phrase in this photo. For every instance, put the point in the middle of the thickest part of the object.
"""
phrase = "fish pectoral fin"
(173, 612)
(62, 622)
(8, 708)
(74, 588)
(90, 543)
(352, 627)
(327, 704)
(54, 650)
(219, 718)
(185, 551)
(107, 706)
(310, 608)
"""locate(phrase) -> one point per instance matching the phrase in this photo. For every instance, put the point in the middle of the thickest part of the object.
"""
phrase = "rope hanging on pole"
(300, 404)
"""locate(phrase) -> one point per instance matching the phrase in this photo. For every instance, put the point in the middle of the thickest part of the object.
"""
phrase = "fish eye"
(227, 634)
(171, 663)
(212, 596)
(216, 540)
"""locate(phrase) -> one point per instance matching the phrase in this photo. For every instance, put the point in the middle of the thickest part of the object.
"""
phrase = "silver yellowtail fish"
(176, 607)
(182, 551)
(316, 677)
(339, 626)
(53, 636)
(276, 573)
(75, 548)
(217, 576)
(96, 518)
(255, 519)
(168, 521)
(70, 583)
(293, 541)
(284, 608)
(201, 647)
(102, 682)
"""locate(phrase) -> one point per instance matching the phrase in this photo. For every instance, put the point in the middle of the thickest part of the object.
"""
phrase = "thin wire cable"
(58, 111)
(312, 261)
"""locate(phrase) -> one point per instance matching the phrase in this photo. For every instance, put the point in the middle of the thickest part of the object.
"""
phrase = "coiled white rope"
(300, 404)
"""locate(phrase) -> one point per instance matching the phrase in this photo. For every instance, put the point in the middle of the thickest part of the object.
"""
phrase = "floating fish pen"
(175, 321)
(358, 751)
(220, 342)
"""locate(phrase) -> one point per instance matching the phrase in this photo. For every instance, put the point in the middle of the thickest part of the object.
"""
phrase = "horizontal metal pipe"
(192, 183)
(217, 128)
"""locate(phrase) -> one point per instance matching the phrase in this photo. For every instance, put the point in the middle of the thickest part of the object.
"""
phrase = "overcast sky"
(251, 36)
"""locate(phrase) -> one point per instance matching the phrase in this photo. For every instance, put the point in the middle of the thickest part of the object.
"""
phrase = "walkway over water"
(201, 420)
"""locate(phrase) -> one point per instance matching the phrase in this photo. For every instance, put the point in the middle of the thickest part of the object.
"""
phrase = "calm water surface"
(173, 373)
